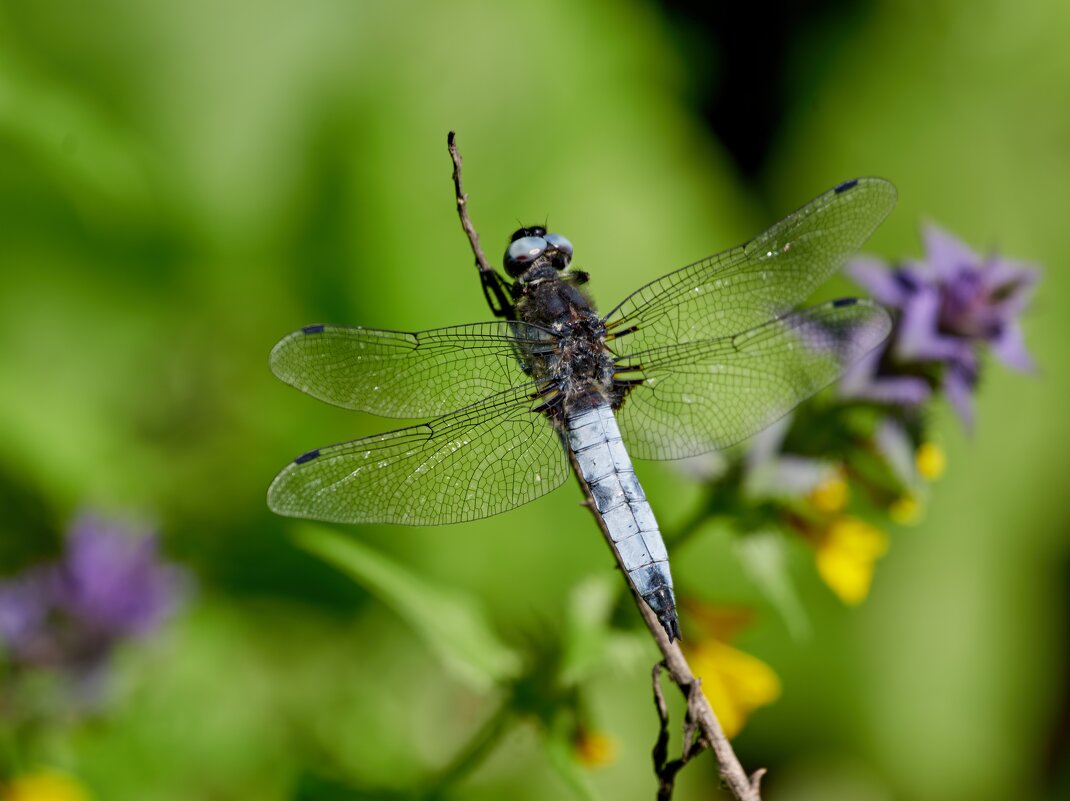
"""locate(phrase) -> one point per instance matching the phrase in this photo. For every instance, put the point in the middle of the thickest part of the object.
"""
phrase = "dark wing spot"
(307, 457)
(844, 302)
(845, 186)
(313, 329)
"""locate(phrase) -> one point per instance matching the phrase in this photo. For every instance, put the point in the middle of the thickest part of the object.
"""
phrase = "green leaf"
(451, 624)
(586, 632)
(764, 558)
(591, 645)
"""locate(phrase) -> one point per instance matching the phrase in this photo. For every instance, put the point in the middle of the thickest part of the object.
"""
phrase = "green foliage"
(450, 623)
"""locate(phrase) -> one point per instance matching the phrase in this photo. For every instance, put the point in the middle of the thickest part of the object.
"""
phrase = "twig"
(494, 289)
(699, 711)
(665, 770)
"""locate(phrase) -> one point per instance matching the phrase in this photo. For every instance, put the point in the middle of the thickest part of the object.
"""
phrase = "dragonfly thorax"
(580, 366)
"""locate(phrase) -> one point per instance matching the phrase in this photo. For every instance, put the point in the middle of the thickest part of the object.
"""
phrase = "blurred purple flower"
(109, 585)
(25, 601)
(950, 304)
(115, 582)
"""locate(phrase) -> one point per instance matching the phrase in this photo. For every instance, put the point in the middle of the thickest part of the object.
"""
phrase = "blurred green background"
(182, 184)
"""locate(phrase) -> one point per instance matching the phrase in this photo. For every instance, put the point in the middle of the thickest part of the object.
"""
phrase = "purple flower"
(108, 586)
(870, 379)
(114, 582)
(25, 603)
(950, 304)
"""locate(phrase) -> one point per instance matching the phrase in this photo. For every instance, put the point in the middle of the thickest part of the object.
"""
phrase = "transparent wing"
(695, 397)
(402, 374)
(744, 287)
(475, 462)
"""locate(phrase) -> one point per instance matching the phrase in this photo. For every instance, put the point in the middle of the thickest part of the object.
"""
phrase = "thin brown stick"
(462, 206)
(665, 769)
(699, 711)
(495, 290)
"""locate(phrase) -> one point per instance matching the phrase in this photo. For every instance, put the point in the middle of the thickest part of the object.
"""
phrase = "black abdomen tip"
(307, 457)
(845, 186)
(671, 625)
(313, 329)
(663, 605)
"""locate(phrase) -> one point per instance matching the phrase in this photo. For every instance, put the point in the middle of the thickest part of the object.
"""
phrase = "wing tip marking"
(841, 302)
(307, 457)
(313, 329)
(845, 186)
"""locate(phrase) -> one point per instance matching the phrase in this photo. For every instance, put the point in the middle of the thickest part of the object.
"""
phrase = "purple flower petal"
(945, 254)
(24, 605)
(999, 272)
(1009, 287)
(115, 581)
(919, 337)
(864, 381)
(1009, 348)
(878, 279)
(958, 384)
(907, 391)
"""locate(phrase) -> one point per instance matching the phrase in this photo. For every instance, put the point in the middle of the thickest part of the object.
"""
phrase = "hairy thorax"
(580, 368)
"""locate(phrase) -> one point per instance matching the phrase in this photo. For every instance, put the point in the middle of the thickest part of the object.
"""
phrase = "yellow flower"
(735, 682)
(930, 461)
(846, 554)
(830, 496)
(594, 749)
(44, 785)
(906, 511)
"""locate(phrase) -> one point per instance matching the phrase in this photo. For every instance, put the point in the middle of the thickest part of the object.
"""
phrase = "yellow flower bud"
(906, 511)
(830, 496)
(846, 555)
(594, 749)
(930, 461)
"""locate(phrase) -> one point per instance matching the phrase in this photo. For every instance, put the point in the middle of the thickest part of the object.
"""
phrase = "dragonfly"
(695, 361)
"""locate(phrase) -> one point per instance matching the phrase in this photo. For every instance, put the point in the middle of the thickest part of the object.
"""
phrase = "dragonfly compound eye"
(563, 247)
(522, 252)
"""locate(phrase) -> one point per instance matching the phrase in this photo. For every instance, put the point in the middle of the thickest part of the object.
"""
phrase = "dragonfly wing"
(407, 374)
(744, 287)
(474, 462)
(694, 397)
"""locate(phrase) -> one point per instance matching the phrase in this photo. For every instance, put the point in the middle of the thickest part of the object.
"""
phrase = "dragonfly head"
(534, 246)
